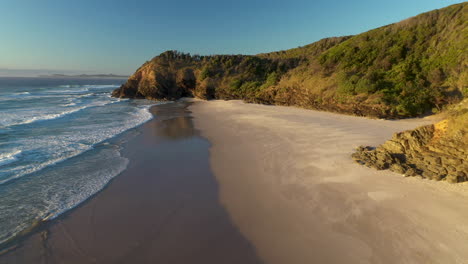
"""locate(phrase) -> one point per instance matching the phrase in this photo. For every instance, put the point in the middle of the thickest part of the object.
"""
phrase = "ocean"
(58, 145)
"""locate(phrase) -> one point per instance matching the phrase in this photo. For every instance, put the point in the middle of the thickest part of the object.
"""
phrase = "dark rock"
(432, 152)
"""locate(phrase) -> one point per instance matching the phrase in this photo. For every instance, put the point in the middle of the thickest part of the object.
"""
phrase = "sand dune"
(288, 182)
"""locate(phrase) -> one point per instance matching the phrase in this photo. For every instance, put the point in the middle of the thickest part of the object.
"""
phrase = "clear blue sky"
(117, 36)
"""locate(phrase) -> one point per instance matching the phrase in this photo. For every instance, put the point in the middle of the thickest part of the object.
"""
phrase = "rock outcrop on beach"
(400, 70)
(436, 152)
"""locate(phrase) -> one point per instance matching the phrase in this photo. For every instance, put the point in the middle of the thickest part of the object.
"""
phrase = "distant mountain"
(85, 76)
(409, 68)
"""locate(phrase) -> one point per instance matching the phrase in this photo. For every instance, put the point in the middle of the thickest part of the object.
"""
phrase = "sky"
(117, 36)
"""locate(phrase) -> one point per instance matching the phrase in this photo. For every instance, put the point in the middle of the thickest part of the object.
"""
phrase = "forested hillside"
(409, 68)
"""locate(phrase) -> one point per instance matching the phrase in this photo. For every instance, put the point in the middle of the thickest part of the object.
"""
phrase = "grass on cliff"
(404, 69)
(409, 68)
(416, 64)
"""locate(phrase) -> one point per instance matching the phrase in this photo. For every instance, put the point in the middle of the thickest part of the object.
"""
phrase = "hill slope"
(404, 69)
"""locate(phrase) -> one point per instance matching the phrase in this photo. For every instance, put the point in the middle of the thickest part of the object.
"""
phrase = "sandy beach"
(288, 182)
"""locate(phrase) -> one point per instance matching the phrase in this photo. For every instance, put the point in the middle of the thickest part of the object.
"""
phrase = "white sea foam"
(79, 89)
(18, 94)
(21, 97)
(25, 170)
(27, 116)
(66, 91)
(54, 192)
(9, 157)
(22, 118)
(63, 147)
(102, 86)
(96, 180)
(97, 86)
(85, 95)
(13, 96)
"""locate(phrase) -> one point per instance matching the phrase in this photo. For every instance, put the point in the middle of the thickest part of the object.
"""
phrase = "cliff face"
(400, 70)
(159, 79)
(437, 152)
(172, 75)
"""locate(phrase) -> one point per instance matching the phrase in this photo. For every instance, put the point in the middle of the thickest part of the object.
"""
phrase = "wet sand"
(164, 208)
(287, 179)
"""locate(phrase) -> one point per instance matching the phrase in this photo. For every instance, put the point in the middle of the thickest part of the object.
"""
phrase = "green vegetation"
(404, 69)
(412, 64)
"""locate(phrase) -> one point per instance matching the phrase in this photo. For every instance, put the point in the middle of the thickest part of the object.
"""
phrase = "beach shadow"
(164, 208)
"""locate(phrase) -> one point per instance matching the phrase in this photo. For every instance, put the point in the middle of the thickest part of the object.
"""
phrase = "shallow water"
(54, 145)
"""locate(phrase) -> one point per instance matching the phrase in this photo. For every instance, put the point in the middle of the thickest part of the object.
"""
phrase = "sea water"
(55, 147)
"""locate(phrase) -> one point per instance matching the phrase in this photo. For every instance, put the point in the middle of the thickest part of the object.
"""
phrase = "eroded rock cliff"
(436, 152)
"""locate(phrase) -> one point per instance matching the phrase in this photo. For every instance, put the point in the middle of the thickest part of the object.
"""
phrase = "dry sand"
(288, 183)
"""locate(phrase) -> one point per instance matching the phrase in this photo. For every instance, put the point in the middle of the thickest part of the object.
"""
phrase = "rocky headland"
(405, 69)
(411, 68)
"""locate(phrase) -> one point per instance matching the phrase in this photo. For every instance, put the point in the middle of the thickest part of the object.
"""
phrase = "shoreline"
(272, 184)
(128, 218)
(42, 224)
